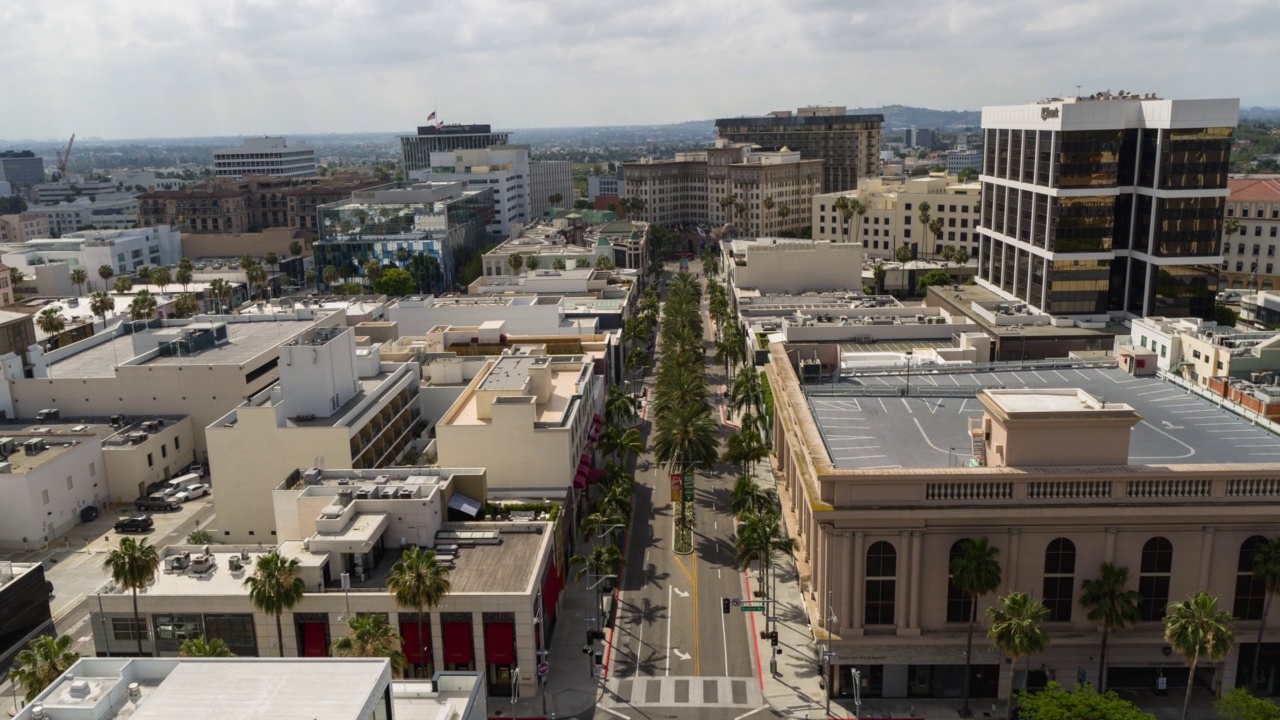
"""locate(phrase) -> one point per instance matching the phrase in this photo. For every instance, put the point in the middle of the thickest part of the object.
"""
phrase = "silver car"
(192, 492)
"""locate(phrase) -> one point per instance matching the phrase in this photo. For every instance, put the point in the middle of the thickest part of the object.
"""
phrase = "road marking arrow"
(679, 654)
(681, 593)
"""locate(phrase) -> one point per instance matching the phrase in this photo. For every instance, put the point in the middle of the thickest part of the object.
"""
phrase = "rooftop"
(866, 424)
(510, 376)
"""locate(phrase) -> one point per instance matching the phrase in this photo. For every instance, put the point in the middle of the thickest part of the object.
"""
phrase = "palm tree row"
(686, 434)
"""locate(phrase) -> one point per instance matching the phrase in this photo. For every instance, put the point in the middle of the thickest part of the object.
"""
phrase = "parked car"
(192, 492)
(140, 523)
(157, 501)
(196, 469)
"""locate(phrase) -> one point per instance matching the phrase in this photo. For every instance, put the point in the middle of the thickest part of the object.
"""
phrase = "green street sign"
(688, 490)
(752, 608)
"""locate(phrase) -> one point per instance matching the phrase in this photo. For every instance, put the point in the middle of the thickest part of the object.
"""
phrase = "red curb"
(755, 636)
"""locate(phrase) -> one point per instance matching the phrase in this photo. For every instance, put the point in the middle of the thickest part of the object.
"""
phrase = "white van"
(180, 483)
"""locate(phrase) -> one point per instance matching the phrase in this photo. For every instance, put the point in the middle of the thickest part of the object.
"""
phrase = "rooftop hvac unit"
(202, 563)
(6, 467)
(35, 446)
(311, 476)
(8, 445)
(47, 414)
(382, 479)
(365, 493)
(344, 496)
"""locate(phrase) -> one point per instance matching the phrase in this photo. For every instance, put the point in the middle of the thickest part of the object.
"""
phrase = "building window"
(164, 451)
(959, 605)
(882, 568)
(127, 629)
(177, 443)
(1153, 582)
(1251, 594)
(908, 207)
(1059, 579)
(44, 496)
(70, 483)
(1257, 231)
(150, 461)
(93, 469)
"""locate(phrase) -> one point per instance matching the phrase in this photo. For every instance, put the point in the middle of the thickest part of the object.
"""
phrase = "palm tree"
(133, 565)
(219, 290)
(370, 636)
(844, 207)
(100, 303)
(330, 275)
(185, 305)
(516, 261)
(160, 277)
(533, 263)
(620, 405)
(1111, 606)
(44, 660)
(203, 648)
(1195, 628)
(184, 276)
(744, 496)
(143, 273)
(122, 285)
(975, 572)
(272, 260)
(143, 306)
(78, 278)
(295, 248)
(255, 275)
(746, 393)
(373, 271)
(106, 273)
(581, 263)
(420, 581)
(1015, 629)
(309, 277)
(275, 586)
(16, 276)
(50, 320)
(879, 272)
(687, 439)
(1266, 570)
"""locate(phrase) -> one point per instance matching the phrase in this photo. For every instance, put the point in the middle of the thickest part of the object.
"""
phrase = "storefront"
(917, 681)
(459, 644)
(312, 633)
(415, 633)
(500, 652)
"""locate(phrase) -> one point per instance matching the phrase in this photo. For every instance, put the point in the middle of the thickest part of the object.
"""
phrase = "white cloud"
(135, 68)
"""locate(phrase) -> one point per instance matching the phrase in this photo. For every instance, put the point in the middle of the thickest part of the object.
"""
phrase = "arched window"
(882, 571)
(1153, 580)
(1059, 579)
(1251, 595)
(959, 605)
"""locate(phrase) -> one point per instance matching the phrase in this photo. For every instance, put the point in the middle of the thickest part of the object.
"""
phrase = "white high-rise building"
(547, 179)
(502, 168)
(265, 156)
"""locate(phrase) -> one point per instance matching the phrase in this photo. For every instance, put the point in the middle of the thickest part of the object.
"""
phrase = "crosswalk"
(683, 692)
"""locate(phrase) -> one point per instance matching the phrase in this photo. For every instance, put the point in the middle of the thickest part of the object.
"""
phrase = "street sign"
(543, 669)
(752, 608)
(688, 492)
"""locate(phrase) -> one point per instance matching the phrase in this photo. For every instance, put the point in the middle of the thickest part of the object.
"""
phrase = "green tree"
(975, 572)
(133, 565)
(1195, 628)
(199, 537)
(275, 586)
(604, 262)
(44, 660)
(1266, 570)
(200, 647)
(100, 303)
(255, 275)
(50, 320)
(394, 282)
(420, 581)
(1111, 606)
(309, 277)
(370, 636)
(160, 277)
(1238, 704)
(1230, 228)
(904, 253)
(143, 273)
(123, 285)
(554, 199)
(373, 271)
(879, 272)
(272, 260)
(185, 305)
(930, 279)
(330, 275)
(1225, 316)
(219, 291)
(16, 276)
(78, 278)
(558, 264)
(582, 263)
(106, 273)
(295, 248)
(143, 306)
(516, 261)
(1015, 629)
(533, 263)
(1055, 703)
(183, 277)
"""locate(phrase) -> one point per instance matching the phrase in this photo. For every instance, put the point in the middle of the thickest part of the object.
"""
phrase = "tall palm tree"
(620, 405)
(204, 648)
(420, 581)
(160, 277)
(744, 496)
(219, 290)
(100, 303)
(143, 306)
(144, 273)
(687, 439)
(133, 565)
(272, 260)
(275, 586)
(183, 277)
(122, 285)
(1196, 628)
(373, 271)
(603, 560)
(975, 572)
(50, 320)
(1111, 606)
(1015, 629)
(370, 636)
(78, 278)
(516, 261)
(747, 393)
(295, 249)
(106, 273)
(44, 660)
(185, 305)
(255, 275)
(1266, 570)
(330, 275)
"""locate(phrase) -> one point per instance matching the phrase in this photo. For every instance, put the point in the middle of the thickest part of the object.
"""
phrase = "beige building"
(539, 409)
(892, 216)
(689, 188)
(848, 145)
(20, 228)
(790, 267)
(881, 488)
(1201, 349)
(142, 451)
(6, 286)
(334, 405)
(503, 573)
(1249, 256)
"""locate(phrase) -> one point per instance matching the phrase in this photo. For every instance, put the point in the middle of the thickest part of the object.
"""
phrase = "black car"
(141, 523)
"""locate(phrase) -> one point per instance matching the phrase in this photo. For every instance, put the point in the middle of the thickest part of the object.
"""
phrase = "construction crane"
(64, 158)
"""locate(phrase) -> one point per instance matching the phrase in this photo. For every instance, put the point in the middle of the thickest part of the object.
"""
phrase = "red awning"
(595, 475)
(580, 480)
(500, 643)
(458, 646)
(315, 640)
(409, 630)
(551, 585)
(597, 418)
(584, 459)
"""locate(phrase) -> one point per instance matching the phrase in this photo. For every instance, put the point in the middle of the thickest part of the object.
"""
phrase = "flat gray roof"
(889, 431)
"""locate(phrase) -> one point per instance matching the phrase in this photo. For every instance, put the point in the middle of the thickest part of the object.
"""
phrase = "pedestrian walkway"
(720, 692)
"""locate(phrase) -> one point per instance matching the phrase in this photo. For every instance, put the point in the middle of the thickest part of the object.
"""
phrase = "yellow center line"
(697, 660)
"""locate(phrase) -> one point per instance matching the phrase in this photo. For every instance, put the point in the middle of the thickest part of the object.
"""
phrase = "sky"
(181, 68)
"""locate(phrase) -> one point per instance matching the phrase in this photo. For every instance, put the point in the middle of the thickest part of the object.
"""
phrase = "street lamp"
(830, 654)
(909, 354)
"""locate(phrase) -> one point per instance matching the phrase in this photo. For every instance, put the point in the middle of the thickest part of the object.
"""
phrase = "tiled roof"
(1254, 190)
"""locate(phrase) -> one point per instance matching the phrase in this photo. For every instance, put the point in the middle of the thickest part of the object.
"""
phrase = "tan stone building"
(892, 215)
(1061, 471)
(22, 227)
(210, 209)
(1249, 259)
(848, 145)
(775, 189)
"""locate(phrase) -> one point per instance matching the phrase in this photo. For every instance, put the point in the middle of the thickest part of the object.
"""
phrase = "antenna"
(1077, 92)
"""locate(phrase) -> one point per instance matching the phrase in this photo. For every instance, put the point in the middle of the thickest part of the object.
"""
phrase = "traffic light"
(725, 602)
(773, 638)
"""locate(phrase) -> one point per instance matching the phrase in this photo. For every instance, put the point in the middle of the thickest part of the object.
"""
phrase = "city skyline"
(117, 69)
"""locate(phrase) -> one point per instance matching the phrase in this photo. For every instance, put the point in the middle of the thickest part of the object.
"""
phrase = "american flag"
(432, 116)
(440, 125)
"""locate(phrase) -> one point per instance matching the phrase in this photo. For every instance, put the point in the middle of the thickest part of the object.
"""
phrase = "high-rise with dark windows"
(848, 145)
(1106, 204)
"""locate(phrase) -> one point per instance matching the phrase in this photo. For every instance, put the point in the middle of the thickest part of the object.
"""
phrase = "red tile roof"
(1254, 190)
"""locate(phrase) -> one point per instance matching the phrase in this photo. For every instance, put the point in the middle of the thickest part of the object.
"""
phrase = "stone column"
(859, 580)
(902, 596)
(1109, 548)
(1011, 570)
(848, 561)
(820, 567)
(1206, 555)
(917, 540)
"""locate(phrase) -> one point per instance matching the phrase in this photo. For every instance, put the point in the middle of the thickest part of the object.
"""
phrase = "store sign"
(1048, 113)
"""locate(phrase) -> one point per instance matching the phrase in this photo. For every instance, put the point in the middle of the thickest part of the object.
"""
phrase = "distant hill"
(1267, 114)
(897, 117)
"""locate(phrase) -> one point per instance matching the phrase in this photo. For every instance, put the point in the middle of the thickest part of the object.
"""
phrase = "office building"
(958, 160)
(1173, 488)
(1249, 256)
(504, 170)
(1106, 204)
(773, 189)
(891, 216)
(847, 145)
(55, 192)
(613, 186)
(96, 213)
(21, 168)
(548, 179)
(782, 266)
(17, 229)
(205, 209)
(124, 251)
(331, 402)
(416, 150)
(429, 228)
(24, 607)
(265, 156)
(920, 138)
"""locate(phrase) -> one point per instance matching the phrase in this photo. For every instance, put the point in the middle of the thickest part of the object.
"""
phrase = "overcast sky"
(158, 68)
